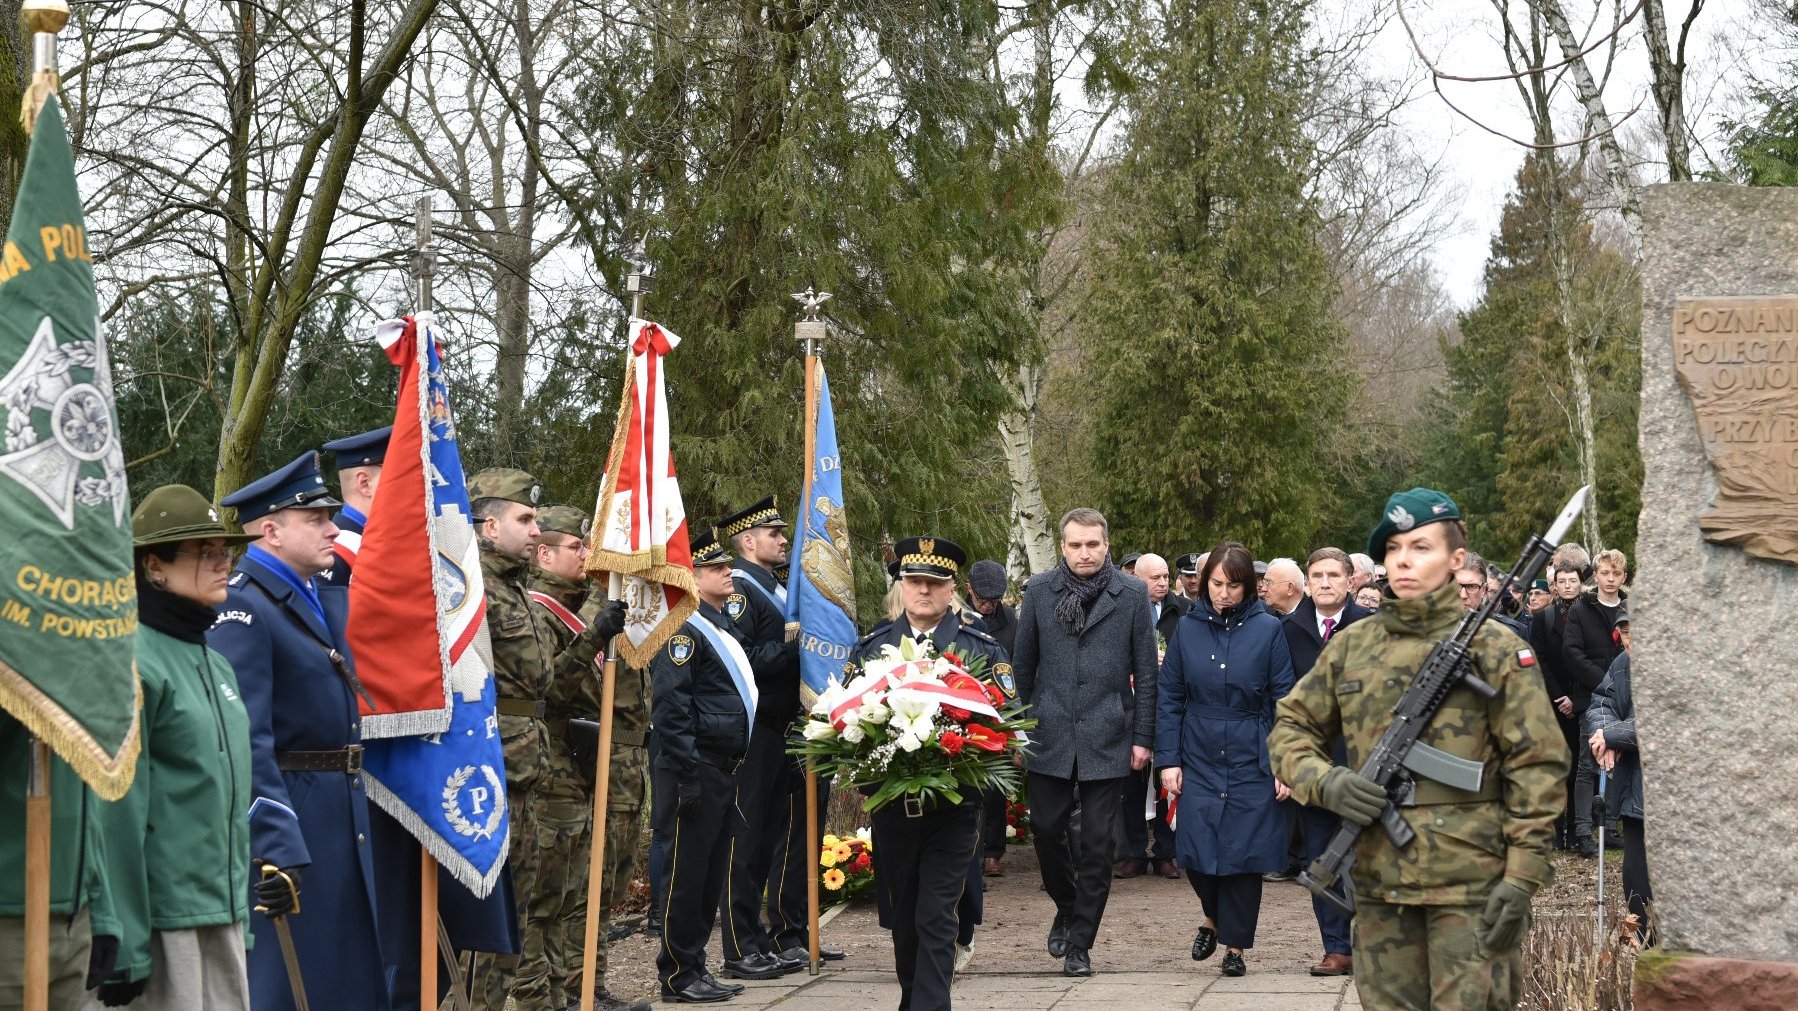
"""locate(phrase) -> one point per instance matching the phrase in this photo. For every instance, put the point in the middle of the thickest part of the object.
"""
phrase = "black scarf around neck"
(172, 614)
(1075, 594)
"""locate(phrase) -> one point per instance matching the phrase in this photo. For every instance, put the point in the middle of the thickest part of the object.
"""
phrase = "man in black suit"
(1153, 571)
(1316, 619)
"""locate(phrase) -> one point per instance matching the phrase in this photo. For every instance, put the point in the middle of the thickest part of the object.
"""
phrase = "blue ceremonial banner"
(417, 600)
(821, 580)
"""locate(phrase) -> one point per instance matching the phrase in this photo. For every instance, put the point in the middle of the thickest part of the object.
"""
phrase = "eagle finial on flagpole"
(811, 301)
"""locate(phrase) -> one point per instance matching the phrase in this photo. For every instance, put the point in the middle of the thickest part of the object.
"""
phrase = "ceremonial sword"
(284, 934)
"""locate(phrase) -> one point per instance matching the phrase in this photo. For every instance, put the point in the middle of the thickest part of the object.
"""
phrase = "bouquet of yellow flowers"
(848, 865)
(918, 723)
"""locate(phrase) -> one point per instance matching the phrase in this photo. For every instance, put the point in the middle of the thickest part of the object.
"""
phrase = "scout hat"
(299, 485)
(987, 578)
(507, 484)
(174, 513)
(707, 550)
(762, 514)
(563, 519)
(931, 557)
(1408, 510)
(366, 450)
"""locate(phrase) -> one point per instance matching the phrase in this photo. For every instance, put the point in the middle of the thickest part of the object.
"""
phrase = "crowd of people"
(1201, 719)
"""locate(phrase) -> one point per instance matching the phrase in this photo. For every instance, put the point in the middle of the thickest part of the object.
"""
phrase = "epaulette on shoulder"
(878, 631)
(982, 636)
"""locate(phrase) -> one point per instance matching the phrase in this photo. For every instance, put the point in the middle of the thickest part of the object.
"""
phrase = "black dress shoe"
(1233, 965)
(788, 962)
(619, 931)
(608, 1001)
(697, 992)
(730, 988)
(803, 955)
(755, 965)
(1204, 945)
(1076, 963)
(1058, 936)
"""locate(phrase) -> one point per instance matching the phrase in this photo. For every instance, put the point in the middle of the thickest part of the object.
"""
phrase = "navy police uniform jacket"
(696, 710)
(762, 630)
(316, 821)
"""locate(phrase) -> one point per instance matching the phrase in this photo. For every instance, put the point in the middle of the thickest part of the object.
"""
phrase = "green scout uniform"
(549, 810)
(575, 692)
(1418, 924)
(78, 883)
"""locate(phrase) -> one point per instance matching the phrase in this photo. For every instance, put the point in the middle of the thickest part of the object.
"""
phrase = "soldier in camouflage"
(563, 602)
(1439, 924)
(550, 809)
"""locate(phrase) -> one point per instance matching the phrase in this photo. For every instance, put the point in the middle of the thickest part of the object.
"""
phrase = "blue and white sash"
(776, 596)
(735, 660)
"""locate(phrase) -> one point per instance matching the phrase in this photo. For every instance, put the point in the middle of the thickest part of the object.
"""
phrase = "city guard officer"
(282, 628)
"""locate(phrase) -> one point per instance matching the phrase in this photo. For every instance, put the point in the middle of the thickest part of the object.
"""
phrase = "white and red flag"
(640, 526)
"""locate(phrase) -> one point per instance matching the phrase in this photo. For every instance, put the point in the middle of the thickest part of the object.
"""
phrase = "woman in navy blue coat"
(1226, 665)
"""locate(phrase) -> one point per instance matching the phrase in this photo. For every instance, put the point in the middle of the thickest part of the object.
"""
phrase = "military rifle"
(1399, 755)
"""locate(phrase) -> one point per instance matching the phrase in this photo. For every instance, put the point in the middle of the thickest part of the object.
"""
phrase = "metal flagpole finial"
(641, 280)
(43, 18)
(811, 329)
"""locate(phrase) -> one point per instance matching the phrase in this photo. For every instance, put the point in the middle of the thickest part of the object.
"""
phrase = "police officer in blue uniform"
(282, 628)
(704, 702)
(359, 462)
(927, 870)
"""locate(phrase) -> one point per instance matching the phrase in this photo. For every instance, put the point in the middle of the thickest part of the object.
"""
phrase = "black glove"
(1506, 917)
(689, 793)
(609, 621)
(100, 958)
(121, 994)
(278, 891)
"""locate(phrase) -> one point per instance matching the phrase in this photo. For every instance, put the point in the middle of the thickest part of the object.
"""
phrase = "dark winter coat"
(1172, 608)
(1092, 694)
(1613, 710)
(1217, 690)
(1302, 638)
(1546, 636)
(1587, 643)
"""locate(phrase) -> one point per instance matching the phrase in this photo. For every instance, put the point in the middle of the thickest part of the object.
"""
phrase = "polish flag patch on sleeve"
(1526, 658)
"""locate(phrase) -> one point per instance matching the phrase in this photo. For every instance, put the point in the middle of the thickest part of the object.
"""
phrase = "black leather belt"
(630, 738)
(346, 760)
(718, 761)
(533, 708)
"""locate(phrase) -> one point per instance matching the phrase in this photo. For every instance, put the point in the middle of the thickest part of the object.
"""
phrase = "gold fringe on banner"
(108, 775)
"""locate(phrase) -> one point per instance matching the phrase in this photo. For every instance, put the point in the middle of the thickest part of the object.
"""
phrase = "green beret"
(1408, 510)
(175, 513)
(1540, 584)
(563, 519)
(505, 483)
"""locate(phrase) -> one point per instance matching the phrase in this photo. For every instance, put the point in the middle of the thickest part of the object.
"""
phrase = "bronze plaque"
(1737, 358)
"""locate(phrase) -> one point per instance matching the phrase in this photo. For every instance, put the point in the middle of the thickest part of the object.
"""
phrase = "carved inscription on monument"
(1737, 358)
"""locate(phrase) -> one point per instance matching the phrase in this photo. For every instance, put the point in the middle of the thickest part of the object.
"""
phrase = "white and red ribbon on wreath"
(923, 684)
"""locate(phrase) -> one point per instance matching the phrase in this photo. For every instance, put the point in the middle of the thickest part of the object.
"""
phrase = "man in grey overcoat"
(1086, 663)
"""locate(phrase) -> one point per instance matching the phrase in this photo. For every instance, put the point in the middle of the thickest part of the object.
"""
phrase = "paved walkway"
(1142, 957)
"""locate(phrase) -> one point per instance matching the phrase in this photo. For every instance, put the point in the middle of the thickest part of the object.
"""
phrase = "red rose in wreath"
(951, 742)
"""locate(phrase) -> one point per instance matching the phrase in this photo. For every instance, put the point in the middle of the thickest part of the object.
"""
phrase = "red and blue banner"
(418, 629)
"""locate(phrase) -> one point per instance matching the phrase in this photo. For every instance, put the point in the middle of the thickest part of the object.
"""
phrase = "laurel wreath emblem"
(452, 807)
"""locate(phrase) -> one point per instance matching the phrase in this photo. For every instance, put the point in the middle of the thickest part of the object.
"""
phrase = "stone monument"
(1715, 600)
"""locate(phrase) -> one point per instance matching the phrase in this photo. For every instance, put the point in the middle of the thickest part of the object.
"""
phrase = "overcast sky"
(1460, 36)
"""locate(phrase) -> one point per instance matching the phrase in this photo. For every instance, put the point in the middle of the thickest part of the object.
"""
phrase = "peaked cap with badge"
(299, 485)
(507, 484)
(761, 514)
(1406, 511)
(175, 513)
(1187, 564)
(706, 549)
(932, 557)
(369, 449)
(561, 519)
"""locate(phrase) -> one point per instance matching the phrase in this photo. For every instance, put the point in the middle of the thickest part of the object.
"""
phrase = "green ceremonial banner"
(68, 601)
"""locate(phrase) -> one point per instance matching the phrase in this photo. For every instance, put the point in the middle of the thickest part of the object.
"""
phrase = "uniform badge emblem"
(927, 545)
(1401, 518)
(680, 649)
(1526, 658)
(536, 493)
(734, 605)
(1002, 675)
(1439, 508)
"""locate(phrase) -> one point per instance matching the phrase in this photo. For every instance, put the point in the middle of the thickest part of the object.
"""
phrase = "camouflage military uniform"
(576, 693)
(1418, 926)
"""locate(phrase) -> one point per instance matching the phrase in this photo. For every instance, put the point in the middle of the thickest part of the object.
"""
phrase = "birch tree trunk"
(1032, 542)
(1598, 118)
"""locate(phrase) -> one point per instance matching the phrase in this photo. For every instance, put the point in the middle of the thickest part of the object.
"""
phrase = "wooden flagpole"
(37, 880)
(810, 331)
(639, 284)
(44, 18)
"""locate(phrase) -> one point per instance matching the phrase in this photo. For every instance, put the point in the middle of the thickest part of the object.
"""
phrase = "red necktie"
(1329, 628)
